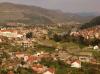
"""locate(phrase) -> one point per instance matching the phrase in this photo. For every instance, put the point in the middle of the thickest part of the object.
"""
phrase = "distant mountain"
(37, 15)
(88, 14)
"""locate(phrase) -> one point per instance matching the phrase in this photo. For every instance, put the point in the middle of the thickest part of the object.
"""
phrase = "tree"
(29, 35)
(57, 38)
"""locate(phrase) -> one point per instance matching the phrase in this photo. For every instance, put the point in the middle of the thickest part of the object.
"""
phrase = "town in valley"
(35, 40)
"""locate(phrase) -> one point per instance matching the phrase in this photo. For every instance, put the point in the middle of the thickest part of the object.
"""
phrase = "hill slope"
(94, 22)
(36, 15)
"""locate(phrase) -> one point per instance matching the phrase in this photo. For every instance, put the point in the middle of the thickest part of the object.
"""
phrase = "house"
(19, 55)
(62, 55)
(95, 47)
(84, 59)
(25, 43)
(89, 33)
(26, 58)
(76, 64)
(10, 33)
(93, 61)
(50, 71)
(87, 54)
(39, 68)
(11, 24)
(39, 53)
(32, 59)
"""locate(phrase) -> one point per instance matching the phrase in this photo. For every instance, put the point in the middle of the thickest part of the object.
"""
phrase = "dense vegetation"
(93, 22)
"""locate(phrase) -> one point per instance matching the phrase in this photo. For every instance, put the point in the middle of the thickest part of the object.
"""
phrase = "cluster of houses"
(74, 60)
(90, 36)
(21, 59)
(18, 35)
(39, 33)
(89, 33)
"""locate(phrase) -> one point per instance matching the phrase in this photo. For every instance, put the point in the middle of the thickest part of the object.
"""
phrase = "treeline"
(70, 38)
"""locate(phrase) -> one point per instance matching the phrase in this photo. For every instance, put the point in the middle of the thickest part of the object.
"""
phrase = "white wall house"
(48, 72)
(76, 64)
(9, 33)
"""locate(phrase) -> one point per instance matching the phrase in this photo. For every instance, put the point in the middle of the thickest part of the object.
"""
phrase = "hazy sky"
(65, 5)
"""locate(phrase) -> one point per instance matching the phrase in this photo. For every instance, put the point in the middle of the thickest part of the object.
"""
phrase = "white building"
(49, 71)
(76, 64)
(19, 55)
(95, 47)
(10, 33)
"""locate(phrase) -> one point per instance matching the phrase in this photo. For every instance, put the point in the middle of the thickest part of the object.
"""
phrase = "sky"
(72, 6)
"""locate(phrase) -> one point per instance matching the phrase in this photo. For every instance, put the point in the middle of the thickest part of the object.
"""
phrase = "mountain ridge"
(36, 15)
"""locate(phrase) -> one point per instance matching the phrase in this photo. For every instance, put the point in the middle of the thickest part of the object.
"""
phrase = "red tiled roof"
(7, 30)
(32, 58)
(18, 53)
